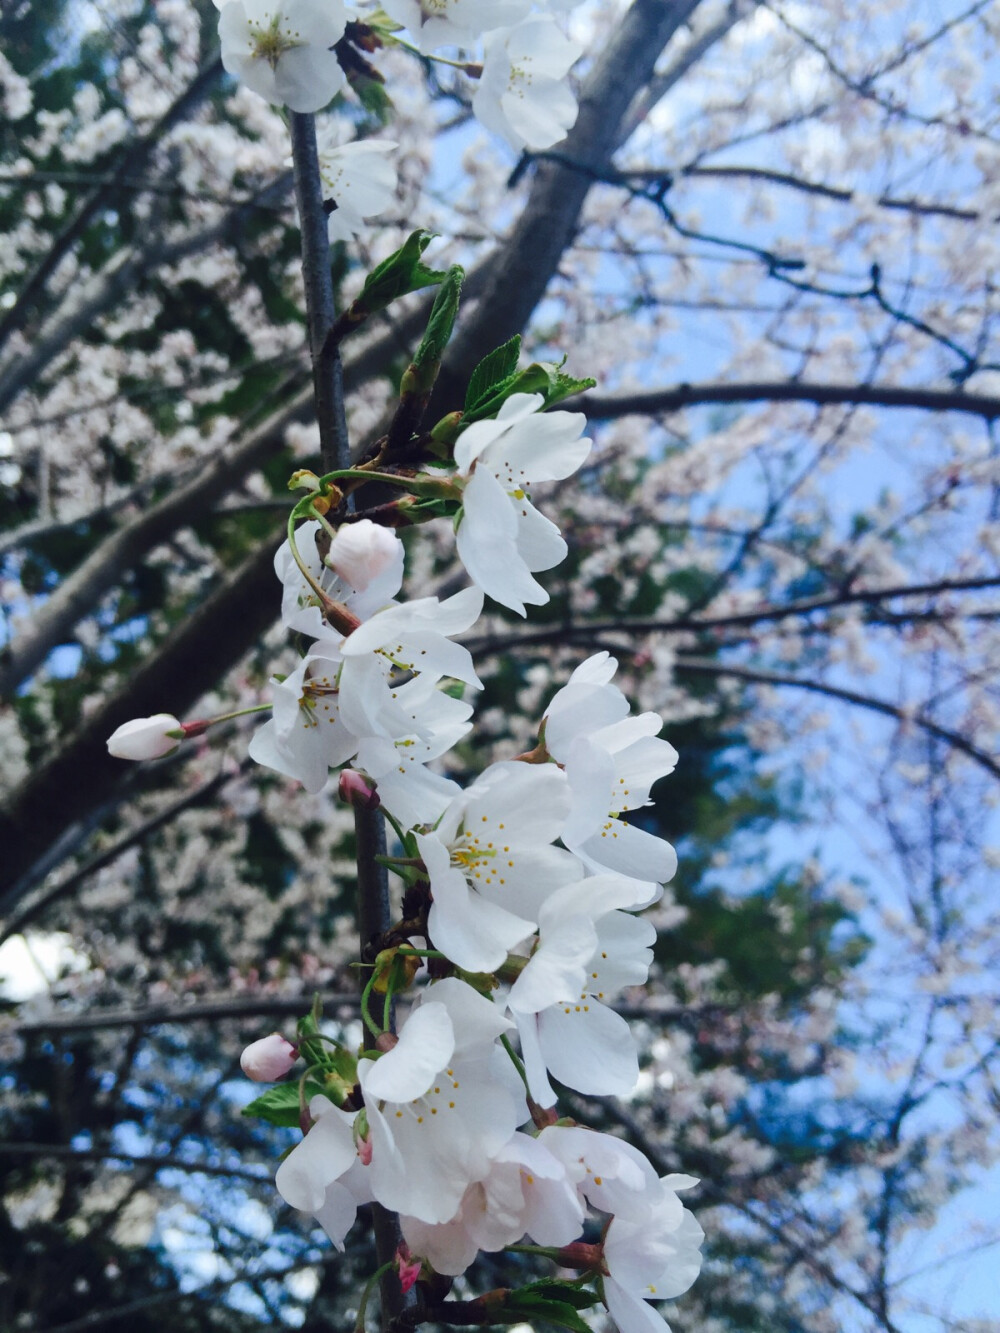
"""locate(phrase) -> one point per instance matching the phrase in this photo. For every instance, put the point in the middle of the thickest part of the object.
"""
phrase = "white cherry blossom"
(525, 1192)
(299, 606)
(608, 1173)
(652, 1253)
(491, 863)
(409, 790)
(361, 181)
(437, 23)
(588, 950)
(281, 49)
(502, 538)
(324, 1154)
(437, 1110)
(523, 96)
(306, 736)
(611, 761)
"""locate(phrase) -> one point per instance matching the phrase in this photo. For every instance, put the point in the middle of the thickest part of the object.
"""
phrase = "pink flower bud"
(145, 737)
(268, 1059)
(365, 1152)
(409, 1268)
(362, 551)
(356, 790)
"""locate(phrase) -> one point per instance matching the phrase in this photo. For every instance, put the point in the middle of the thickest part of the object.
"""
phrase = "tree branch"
(550, 217)
(207, 1011)
(706, 666)
(607, 407)
(137, 1159)
(754, 616)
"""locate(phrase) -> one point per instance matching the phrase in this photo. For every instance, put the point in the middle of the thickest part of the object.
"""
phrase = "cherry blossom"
(652, 1253)
(382, 573)
(502, 538)
(491, 863)
(588, 950)
(611, 761)
(522, 95)
(437, 1110)
(306, 736)
(324, 1154)
(453, 22)
(525, 1192)
(281, 49)
(360, 180)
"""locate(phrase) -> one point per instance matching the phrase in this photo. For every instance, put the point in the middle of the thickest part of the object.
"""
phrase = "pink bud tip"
(268, 1059)
(356, 790)
(365, 1151)
(409, 1268)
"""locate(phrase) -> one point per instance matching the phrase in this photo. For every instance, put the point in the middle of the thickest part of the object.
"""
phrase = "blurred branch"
(920, 207)
(755, 616)
(208, 1011)
(137, 1159)
(905, 716)
(648, 402)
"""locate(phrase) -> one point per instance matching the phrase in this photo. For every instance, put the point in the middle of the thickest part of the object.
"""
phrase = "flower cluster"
(518, 891)
(286, 51)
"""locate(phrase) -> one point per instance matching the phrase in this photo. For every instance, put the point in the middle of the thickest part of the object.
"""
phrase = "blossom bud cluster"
(286, 51)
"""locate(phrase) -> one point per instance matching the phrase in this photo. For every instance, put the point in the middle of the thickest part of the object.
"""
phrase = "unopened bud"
(303, 480)
(363, 1138)
(362, 552)
(408, 1267)
(357, 790)
(269, 1059)
(146, 737)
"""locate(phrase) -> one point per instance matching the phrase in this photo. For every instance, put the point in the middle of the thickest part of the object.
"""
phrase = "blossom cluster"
(290, 52)
(446, 1124)
(519, 891)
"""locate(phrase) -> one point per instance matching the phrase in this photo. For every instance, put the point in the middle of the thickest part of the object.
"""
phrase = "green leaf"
(527, 1305)
(280, 1104)
(552, 1289)
(540, 377)
(493, 371)
(401, 273)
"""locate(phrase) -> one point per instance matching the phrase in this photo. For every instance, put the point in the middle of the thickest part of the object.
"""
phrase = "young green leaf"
(280, 1104)
(493, 371)
(402, 272)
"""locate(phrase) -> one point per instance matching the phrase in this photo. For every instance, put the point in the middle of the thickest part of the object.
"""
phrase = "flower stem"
(359, 1323)
(517, 1061)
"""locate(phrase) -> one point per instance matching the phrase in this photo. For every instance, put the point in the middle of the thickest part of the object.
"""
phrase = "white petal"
(555, 970)
(590, 1048)
(426, 1043)
(324, 1154)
